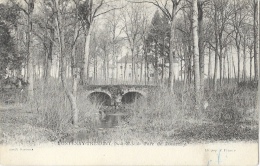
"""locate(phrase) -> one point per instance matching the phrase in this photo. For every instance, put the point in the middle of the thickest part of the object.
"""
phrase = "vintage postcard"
(129, 82)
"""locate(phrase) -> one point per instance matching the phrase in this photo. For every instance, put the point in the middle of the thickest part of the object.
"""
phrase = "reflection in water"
(110, 120)
(104, 121)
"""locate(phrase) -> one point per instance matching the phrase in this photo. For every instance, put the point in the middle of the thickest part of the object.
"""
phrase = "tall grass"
(53, 109)
(163, 110)
(166, 113)
(163, 115)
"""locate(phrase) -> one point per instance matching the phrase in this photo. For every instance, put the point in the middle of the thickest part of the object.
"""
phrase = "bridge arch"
(130, 96)
(99, 97)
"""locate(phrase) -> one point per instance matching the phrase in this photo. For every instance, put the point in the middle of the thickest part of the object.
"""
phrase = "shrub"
(52, 107)
(159, 115)
(54, 110)
(231, 104)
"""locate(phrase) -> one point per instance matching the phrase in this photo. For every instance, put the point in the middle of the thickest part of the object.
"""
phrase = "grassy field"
(166, 117)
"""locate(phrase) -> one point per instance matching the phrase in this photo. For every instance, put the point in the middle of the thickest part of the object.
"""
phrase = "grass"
(167, 116)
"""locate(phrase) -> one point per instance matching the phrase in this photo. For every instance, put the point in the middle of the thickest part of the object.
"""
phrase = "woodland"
(51, 49)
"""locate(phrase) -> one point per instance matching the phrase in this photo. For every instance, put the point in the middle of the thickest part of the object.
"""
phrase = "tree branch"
(107, 11)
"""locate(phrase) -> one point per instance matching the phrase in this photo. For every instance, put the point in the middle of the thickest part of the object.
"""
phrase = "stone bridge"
(116, 94)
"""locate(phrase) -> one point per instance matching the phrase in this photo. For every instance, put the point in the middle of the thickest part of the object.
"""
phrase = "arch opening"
(131, 97)
(100, 98)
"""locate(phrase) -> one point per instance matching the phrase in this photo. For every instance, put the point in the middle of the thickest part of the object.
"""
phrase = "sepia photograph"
(129, 82)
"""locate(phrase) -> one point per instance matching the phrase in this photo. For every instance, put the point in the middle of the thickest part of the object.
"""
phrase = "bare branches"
(162, 8)
(97, 8)
(19, 6)
(107, 11)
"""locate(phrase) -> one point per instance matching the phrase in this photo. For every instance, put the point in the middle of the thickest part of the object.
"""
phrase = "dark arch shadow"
(100, 98)
(131, 97)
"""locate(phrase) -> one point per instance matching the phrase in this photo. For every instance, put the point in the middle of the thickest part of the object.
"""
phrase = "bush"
(52, 107)
(159, 115)
(231, 104)
(54, 110)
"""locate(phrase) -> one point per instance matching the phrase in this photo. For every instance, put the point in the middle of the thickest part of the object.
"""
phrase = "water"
(104, 121)
(111, 120)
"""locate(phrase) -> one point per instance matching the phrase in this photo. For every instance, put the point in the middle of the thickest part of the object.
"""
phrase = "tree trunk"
(196, 54)
(238, 63)
(69, 94)
(116, 69)
(156, 64)
(125, 67)
(224, 69)
(181, 71)
(141, 72)
(250, 72)
(228, 65)
(255, 39)
(190, 65)
(107, 69)
(34, 71)
(18, 41)
(75, 77)
(216, 51)
(86, 55)
(220, 60)
(145, 66)
(172, 51)
(133, 64)
(29, 56)
(234, 68)
(95, 68)
(49, 59)
(209, 67)
(258, 95)
(201, 47)
(244, 60)
(162, 55)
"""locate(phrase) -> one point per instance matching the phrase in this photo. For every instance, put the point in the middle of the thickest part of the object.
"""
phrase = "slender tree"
(89, 10)
(255, 8)
(71, 95)
(170, 11)
(196, 52)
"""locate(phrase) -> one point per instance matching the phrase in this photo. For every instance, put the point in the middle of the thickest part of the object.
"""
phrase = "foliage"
(9, 58)
(85, 12)
(158, 38)
(9, 14)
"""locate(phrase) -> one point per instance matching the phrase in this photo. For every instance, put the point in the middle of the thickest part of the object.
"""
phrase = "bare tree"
(238, 21)
(170, 10)
(196, 52)
(220, 14)
(209, 67)
(216, 46)
(201, 44)
(59, 7)
(186, 28)
(132, 19)
(114, 33)
(255, 5)
(88, 12)
(28, 12)
(258, 95)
